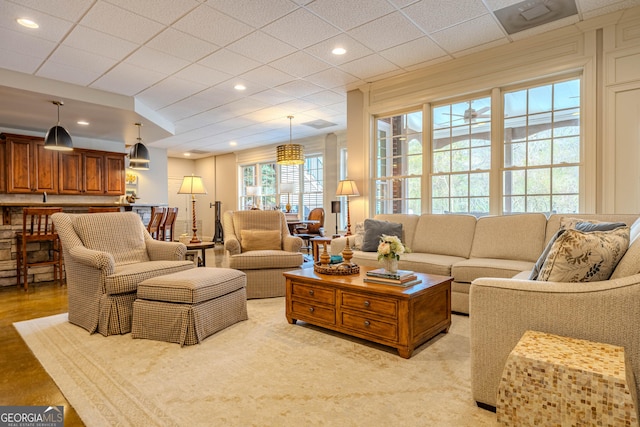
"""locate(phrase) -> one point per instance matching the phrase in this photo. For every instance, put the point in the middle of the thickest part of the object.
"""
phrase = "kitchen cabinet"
(92, 172)
(30, 168)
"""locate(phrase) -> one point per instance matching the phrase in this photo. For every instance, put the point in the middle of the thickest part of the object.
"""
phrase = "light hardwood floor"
(23, 381)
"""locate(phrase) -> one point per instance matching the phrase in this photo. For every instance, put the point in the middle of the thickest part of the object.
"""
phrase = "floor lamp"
(335, 208)
(193, 185)
(347, 188)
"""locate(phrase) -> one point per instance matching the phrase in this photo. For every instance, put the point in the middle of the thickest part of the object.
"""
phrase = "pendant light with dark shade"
(57, 138)
(139, 153)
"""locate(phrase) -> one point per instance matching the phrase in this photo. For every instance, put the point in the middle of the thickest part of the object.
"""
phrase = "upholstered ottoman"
(188, 306)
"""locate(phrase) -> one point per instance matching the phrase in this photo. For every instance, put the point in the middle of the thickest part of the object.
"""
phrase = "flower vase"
(391, 265)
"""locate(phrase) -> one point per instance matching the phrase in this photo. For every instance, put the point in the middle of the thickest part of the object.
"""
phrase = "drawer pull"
(367, 303)
(311, 309)
(367, 323)
(311, 292)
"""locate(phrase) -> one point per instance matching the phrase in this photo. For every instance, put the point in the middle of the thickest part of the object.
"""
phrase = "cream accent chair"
(106, 255)
(263, 266)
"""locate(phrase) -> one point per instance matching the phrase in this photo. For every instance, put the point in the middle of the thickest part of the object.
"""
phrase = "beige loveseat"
(467, 248)
(106, 255)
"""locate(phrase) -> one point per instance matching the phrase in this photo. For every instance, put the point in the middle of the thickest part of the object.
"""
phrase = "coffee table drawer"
(366, 303)
(385, 330)
(314, 293)
(301, 310)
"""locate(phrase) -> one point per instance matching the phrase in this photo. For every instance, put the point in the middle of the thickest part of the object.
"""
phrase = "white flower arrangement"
(391, 247)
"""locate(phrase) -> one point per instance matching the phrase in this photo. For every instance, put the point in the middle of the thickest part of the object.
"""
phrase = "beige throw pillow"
(577, 256)
(260, 240)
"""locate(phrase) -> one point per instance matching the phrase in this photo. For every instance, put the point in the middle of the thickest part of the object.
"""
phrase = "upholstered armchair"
(106, 255)
(259, 244)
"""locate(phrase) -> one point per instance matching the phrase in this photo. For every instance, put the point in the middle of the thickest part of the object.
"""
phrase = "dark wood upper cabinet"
(30, 168)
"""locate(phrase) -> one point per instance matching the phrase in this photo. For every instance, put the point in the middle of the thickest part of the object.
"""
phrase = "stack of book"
(399, 278)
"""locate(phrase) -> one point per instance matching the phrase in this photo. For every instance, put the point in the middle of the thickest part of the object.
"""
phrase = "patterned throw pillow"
(578, 256)
(358, 236)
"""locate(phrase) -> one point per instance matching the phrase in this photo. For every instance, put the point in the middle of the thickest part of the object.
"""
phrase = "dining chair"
(166, 231)
(157, 217)
(309, 230)
(37, 227)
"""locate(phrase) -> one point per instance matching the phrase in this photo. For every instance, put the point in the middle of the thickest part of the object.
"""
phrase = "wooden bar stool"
(37, 227)
(157, 217)
(167, 226)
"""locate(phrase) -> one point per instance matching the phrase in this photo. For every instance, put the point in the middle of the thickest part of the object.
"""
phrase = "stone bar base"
(550, 380)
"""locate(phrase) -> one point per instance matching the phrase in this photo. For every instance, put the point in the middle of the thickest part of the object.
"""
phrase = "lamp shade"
(290, 154)
(139, 166)
(192, 185)
(335, 206)
(57, 138)
(347, 187)
(139, 153)
(287, 187)
(254, 190)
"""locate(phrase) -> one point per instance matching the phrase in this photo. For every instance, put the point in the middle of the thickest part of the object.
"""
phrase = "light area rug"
(260, 372)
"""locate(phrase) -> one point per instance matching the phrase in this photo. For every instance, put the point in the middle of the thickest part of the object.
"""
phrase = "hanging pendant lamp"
(290, 154)
(139, 153)
(57, 138)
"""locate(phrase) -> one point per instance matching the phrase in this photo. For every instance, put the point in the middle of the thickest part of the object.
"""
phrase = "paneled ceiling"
(173, 64)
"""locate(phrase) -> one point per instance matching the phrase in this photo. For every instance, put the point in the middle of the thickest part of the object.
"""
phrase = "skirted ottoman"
(188, 306)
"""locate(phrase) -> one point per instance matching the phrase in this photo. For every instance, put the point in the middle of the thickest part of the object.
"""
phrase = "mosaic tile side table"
(558, 381)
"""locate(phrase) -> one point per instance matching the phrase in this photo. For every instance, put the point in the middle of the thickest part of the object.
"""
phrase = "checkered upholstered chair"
(259, 244)
(106, 256)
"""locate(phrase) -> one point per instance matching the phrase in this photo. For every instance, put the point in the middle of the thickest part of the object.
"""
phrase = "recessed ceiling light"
(187, 154)
(339, 51)
(239, 86)
(233, 143)
(25, 22)
(83, 123)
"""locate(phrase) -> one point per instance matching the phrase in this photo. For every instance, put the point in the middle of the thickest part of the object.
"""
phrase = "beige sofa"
(467, 248)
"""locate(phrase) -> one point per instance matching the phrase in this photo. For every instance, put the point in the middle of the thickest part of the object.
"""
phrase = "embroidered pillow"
(374, 229)
(578, 256)
(259, 240)
(578, 224)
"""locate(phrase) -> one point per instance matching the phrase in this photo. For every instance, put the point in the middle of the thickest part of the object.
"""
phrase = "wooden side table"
(558, 381)
(315, 246)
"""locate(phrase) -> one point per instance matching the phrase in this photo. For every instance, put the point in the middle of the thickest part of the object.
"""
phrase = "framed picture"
(131, 178)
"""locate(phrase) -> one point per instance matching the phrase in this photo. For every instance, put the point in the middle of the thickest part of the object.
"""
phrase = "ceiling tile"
(450, 13)
(70, 10)
(212, 26)
(261, 47)
(68, 73)
(168, 91)
(81, 59)
(273, 97)
(546, 27)
(388, 31)
(152, 59)
(255, 13)
(354, 48)
(19, 61)
(590, 7)
(472, 33)
(333, 78)
(348, 14)
(182, 45)
(229, 62)
(298, 88)
(301, 29)
(127, 79)
(91, 40)
(203, 75)
(413, 52)
(121, 23)
(367, 67)
(325, 97)
(163, 11)
(51, 28)
(267, 76)
(300, 64)
(20, 43)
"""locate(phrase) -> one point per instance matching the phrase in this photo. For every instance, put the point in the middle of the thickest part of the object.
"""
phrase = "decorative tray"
(336, 269)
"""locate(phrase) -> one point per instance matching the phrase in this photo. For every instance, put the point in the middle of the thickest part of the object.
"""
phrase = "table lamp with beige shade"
(347, 188)
(287, 187)
(193, 185)
(254, 191)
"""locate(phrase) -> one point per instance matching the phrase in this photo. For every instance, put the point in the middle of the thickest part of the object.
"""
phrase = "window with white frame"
(259, 188)
(398, 163)
(542, 148)
(308, 183)
(461, 157)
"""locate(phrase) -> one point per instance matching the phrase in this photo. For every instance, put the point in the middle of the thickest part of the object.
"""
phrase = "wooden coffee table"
(400, 317)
